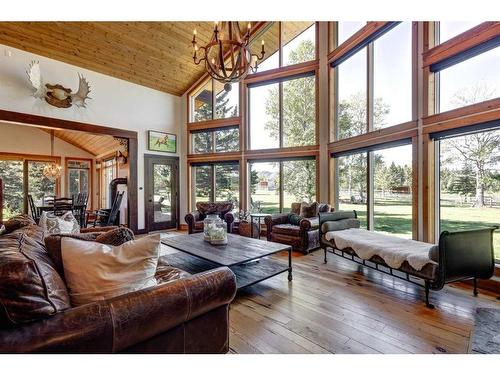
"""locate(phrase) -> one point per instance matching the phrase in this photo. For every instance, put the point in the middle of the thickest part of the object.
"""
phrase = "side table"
(258, 216)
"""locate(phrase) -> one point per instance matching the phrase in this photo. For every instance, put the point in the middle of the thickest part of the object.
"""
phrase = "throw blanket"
(393, 250)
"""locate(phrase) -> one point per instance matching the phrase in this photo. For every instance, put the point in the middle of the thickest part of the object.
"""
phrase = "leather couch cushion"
(17, 222)
(96, 271)
(289, 229)
(30, 286)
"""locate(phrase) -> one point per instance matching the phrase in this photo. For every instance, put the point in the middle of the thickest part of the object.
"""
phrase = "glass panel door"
(161, 192)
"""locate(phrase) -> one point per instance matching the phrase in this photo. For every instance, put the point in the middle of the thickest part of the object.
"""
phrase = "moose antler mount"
(57, 95)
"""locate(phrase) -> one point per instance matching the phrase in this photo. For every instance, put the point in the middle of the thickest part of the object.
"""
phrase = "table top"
(259, 215)
(238, 250)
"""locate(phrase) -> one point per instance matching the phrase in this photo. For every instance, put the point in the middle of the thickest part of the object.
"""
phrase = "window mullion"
(370, 87)
(370, 190)
(280, 112)
(281, 186)
(212, 190)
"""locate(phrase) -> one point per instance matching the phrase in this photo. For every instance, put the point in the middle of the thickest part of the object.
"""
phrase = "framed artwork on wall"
(164, 142)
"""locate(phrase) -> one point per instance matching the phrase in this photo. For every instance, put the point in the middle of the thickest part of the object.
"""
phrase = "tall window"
(275, 185)
(352, 99)
(218, 182)
(469, 176)
(212, 102)
(472, 81)
(78, 177)
(108, 174)
(385, 64)
(11, 173)
(283, 114)
(352, 180)
(389, 200)
(298, 44)
(218, 140)
(392, 196)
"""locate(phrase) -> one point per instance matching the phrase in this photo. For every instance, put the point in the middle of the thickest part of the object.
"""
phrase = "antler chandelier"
(227, 56)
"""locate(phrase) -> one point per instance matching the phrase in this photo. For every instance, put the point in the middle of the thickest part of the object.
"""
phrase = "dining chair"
(80, 202)
(62, 205)
(35, 213)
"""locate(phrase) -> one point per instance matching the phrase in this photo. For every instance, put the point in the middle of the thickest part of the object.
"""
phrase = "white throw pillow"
(64, 224)
(95, 271)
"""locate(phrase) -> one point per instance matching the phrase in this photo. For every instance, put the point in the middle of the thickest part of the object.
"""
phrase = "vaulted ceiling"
(95, 144)
(153, 54)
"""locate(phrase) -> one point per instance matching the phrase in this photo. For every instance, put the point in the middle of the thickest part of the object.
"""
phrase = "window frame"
(213, 182)
(364, 39)
(212, 131)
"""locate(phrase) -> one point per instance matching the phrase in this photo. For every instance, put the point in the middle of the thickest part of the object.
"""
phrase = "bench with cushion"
(458, 256)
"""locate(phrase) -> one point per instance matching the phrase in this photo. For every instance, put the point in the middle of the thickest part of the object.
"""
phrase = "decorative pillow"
(294, 219)
(2, 229)
(309, 210)
(324, 207)
(116, 236)
(96, 271)
(296, 208)
(52, 224)
(17, 222)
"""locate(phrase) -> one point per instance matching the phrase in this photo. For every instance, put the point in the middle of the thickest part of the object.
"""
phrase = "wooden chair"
(35, 213)
(106, 217)
(80, 202)
(62, 205)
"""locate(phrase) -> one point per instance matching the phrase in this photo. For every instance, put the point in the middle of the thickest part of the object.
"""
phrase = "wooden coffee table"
(248, 258)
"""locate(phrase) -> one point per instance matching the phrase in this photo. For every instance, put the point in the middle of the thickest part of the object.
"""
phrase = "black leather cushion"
(294, 219)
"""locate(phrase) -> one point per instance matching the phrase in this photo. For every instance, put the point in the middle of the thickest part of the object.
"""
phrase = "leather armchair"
(187, 315)
(194, 219)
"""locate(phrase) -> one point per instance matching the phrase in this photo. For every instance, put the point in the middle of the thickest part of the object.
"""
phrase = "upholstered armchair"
(195, 219)
(299, 228)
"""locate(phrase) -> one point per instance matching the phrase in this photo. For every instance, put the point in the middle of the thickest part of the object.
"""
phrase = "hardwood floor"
(342, 308)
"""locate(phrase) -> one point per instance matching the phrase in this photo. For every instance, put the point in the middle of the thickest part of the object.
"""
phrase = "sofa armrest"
(191, 218)
(118, 323)
(305, 225)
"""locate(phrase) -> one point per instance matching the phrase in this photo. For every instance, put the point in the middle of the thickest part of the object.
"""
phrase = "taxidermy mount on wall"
(57, 95)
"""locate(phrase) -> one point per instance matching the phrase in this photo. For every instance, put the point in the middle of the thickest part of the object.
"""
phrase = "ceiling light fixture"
(228, 58)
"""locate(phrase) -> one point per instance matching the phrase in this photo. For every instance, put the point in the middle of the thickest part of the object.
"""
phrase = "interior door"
(161, 192)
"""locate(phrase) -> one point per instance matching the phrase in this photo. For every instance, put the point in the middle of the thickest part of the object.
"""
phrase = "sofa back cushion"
(30, 286)
(17, 222)
(324, 207)
(207, 208)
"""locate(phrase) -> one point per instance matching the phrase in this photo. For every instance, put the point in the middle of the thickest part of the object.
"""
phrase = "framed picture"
(164, 142)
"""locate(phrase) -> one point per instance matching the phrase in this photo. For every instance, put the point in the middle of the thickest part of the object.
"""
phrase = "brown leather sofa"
(302, 233)
(195, 219)
(183, 314)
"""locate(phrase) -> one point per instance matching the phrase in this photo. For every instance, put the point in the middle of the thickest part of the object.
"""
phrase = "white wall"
(115, 103)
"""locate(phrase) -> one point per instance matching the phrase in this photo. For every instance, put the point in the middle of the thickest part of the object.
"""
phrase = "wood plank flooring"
(341, 307)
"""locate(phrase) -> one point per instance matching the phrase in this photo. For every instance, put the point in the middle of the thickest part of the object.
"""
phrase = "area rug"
(486, 337)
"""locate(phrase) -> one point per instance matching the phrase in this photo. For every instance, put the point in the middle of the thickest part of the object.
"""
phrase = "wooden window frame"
(25, 159)
(101, 176)
(213, 187)
(263, 158)
(214, 140)
(91, 172)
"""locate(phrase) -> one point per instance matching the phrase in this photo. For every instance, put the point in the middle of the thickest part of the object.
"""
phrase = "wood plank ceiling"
(95, 144)
(153, 54)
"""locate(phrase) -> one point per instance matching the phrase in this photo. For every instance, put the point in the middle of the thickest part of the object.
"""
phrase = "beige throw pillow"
(95, 271)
